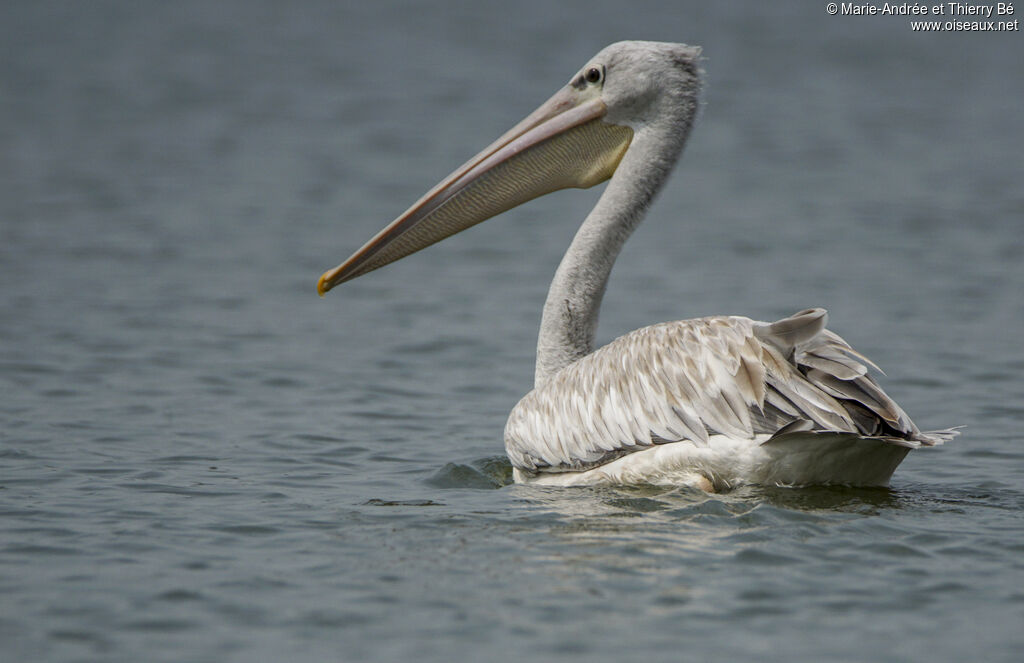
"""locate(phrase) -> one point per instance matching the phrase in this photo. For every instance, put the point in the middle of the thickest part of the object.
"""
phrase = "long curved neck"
(569, 322)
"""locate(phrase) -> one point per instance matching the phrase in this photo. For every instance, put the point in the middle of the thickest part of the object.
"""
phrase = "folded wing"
(692, 379)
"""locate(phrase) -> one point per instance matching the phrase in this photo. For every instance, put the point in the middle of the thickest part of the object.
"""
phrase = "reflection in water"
(670, 540)
(641, 499)
(831, 498)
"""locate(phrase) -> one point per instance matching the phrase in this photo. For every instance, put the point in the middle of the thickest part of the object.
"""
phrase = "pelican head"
(577, 138)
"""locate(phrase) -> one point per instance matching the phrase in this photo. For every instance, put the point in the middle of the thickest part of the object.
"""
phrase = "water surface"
(201, 460)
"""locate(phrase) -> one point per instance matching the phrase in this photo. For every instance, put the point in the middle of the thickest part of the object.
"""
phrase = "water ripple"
(201, 460)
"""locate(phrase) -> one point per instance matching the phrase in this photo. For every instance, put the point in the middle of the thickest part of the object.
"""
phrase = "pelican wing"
(690, 379)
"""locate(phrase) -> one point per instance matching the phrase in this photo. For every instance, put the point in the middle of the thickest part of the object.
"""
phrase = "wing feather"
(689, 379)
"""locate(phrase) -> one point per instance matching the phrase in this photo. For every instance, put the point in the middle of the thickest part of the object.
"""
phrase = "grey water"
(200, 460)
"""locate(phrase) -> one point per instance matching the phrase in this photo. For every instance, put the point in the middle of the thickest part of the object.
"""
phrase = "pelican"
(712, 402)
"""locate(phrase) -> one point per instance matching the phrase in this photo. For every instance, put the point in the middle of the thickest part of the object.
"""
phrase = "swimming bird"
(711, 402)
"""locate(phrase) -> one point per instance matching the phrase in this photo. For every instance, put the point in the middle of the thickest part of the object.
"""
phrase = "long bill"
(564, 143)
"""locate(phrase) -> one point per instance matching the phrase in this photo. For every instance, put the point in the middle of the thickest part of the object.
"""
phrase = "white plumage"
(713, 402)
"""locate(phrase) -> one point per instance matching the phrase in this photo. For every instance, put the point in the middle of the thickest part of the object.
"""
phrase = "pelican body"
(712, 402)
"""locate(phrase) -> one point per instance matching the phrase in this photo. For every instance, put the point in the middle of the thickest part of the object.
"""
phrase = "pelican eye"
(594, 75)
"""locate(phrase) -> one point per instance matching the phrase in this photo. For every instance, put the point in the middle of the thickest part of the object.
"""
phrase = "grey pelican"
(712, 402)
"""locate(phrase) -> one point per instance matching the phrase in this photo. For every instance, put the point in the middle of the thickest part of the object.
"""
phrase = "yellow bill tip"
(322, 286)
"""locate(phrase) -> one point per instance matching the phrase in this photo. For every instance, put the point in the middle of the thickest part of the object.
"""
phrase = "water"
(200, 460)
